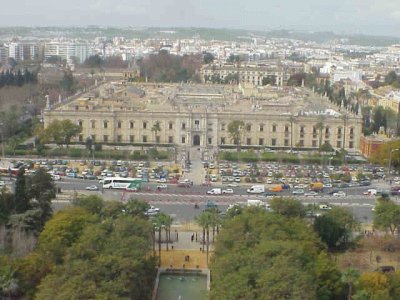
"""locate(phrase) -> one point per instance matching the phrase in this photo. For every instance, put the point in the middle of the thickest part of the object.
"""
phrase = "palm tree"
(235, 129)
(167, 223)
(204, 220)
(320, 126)
(350, 277)
(159, 223)
(156, 129)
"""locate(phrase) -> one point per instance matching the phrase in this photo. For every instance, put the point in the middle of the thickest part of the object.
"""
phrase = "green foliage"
(93, 204)
(262, 255)
(235, 129)
(387, 216)
(68, 83)
(165, 67)
(61, 132)
(8, 78)
(288, 207)
(109, 261)
(336, 227)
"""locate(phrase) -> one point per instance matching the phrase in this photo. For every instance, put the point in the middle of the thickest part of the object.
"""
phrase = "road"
(179, 202)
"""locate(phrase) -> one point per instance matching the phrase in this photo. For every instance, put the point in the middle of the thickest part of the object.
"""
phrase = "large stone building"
(199, 115)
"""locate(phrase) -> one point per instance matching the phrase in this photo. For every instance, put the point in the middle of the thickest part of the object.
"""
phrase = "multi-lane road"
(180, 202)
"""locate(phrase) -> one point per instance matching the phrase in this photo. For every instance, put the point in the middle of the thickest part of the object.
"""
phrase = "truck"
(317, 186)
(276, 188)
(256, 189)
(215, 191)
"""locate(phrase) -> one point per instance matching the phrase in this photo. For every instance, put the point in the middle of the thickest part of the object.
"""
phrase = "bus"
(120, 182)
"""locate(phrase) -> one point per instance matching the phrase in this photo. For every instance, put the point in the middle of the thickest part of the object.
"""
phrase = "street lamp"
(390, 159)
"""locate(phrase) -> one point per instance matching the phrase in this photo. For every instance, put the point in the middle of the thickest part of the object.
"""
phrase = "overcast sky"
(342, 16)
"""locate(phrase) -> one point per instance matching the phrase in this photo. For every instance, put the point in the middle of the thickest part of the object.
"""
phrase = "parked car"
(298, 192)
(162, 186)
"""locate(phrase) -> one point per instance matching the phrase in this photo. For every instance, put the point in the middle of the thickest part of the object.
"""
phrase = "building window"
(286, 143)
(183, 125)
(222, 141)
(248, 141)
(286, 128)
(261, 128)
(273, 142)
(119, 124)
(314, 143)
(314, 130)
(81, 138)
(338, 144)
(170, 139)
(351, 144)
(119, 138)
(105, 124)
(144, 139)
(144, 125)
(351, 130)
(339, 131)
(248, 127)
(131, 138)
(196, 122)
(261, 142)
(222, 127)
(302, 129)
(183, 140)
(157, 139)
(170, 125)
(93, 138)
(209, 141)
(80, 123)
(131, 124)
(274, 128)
(93, 123)
(105, 138)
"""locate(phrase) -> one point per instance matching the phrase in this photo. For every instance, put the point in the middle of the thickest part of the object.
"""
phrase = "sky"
(379, 17)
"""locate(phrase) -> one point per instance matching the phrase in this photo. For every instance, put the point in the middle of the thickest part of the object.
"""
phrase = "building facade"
(198, 116)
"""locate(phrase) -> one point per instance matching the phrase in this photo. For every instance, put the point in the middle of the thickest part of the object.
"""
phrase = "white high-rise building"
(68, 50)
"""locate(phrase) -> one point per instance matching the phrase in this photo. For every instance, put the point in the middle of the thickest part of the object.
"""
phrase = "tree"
(387, 216)
(375, 284)
(336, 227)
(21, 196)
(288, 207)
(61, 132)
(235, 129)
(93, 204)
(262, 255)
(156, 128)
(320, 126)
(391, 78)
(350, 277)
(67, 83)
(205, 221)
(69, 130)
(208, 58)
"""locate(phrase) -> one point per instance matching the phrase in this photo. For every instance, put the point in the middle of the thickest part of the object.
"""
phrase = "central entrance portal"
(196, 140)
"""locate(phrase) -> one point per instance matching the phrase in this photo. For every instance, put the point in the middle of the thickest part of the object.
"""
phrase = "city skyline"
(344, 17)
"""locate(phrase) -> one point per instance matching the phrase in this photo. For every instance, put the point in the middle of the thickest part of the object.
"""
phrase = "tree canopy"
(263, 255)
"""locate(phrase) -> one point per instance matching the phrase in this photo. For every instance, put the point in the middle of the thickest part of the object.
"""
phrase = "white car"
(233, 184)
(92, 187)
(327, 185)
(325, 207)
(227, 191)
(339, 194)
(162, 186)
(152, 211)
(298, 192)
(311, 194)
